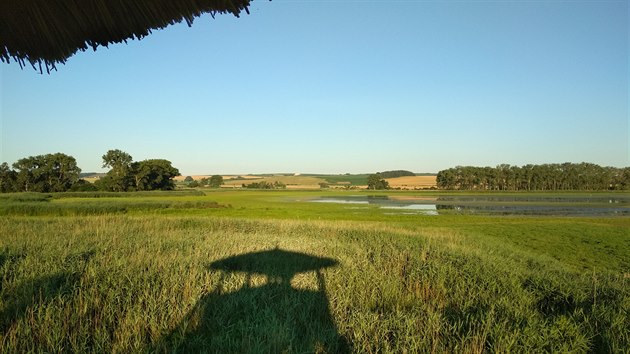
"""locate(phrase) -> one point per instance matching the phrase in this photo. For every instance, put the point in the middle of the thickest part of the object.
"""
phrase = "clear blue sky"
(341, 86)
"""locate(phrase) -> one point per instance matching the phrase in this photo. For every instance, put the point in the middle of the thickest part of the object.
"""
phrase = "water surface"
(569, 205)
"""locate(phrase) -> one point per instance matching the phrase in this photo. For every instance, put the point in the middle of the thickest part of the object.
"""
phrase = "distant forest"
(59, 173)
(546, 177)
(396, 173)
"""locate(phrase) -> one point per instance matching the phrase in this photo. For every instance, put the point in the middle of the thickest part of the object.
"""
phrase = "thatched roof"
(50, 31)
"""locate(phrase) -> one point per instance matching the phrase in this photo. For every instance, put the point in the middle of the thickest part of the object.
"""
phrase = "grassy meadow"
(268, 271)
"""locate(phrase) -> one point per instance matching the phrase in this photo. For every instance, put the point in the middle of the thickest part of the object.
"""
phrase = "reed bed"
(182, 283)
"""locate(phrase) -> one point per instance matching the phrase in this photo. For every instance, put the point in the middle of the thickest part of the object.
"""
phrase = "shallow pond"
(618, 205)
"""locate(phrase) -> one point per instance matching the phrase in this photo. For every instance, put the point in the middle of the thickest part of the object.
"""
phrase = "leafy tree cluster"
(213, 182)
(127, 175)
(376, 181)
(59, 173)
(566, 176)
(42, 173)
(396, 173)
(266, 185)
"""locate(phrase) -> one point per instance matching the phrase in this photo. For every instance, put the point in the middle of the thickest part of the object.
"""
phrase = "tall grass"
(98, 203)
(164, 283)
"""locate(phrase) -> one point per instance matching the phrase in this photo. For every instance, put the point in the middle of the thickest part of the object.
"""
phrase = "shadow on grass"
(30, 292)
(16, 299)
(271, 318)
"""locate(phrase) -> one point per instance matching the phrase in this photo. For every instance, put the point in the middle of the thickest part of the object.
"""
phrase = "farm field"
(308, 181)
(412, 182)
(291, 182)
(225, 177)
(274, 271)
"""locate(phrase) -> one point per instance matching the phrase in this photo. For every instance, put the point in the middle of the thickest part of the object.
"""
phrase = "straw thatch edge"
(48, 32)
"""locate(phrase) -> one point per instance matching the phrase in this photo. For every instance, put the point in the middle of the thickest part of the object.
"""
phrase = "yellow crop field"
(412, 182)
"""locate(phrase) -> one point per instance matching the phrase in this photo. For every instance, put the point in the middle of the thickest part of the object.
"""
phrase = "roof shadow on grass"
(271, 318)
(16, 298)
(31, 292)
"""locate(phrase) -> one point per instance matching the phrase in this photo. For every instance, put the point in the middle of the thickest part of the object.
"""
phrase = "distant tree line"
(60, 173)
(377, 180)
(396, 173)
(265, 185)
(213, 182)
(545, 177)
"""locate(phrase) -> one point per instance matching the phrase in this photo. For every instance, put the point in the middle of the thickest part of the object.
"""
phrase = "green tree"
(83, 186)
(445, 179)
(61, 171)
(46, 173)
(8, 179)
(376, 181)
(28, 178)
(119, 177)
(624, 178)
(215, 181)
(154, 174)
